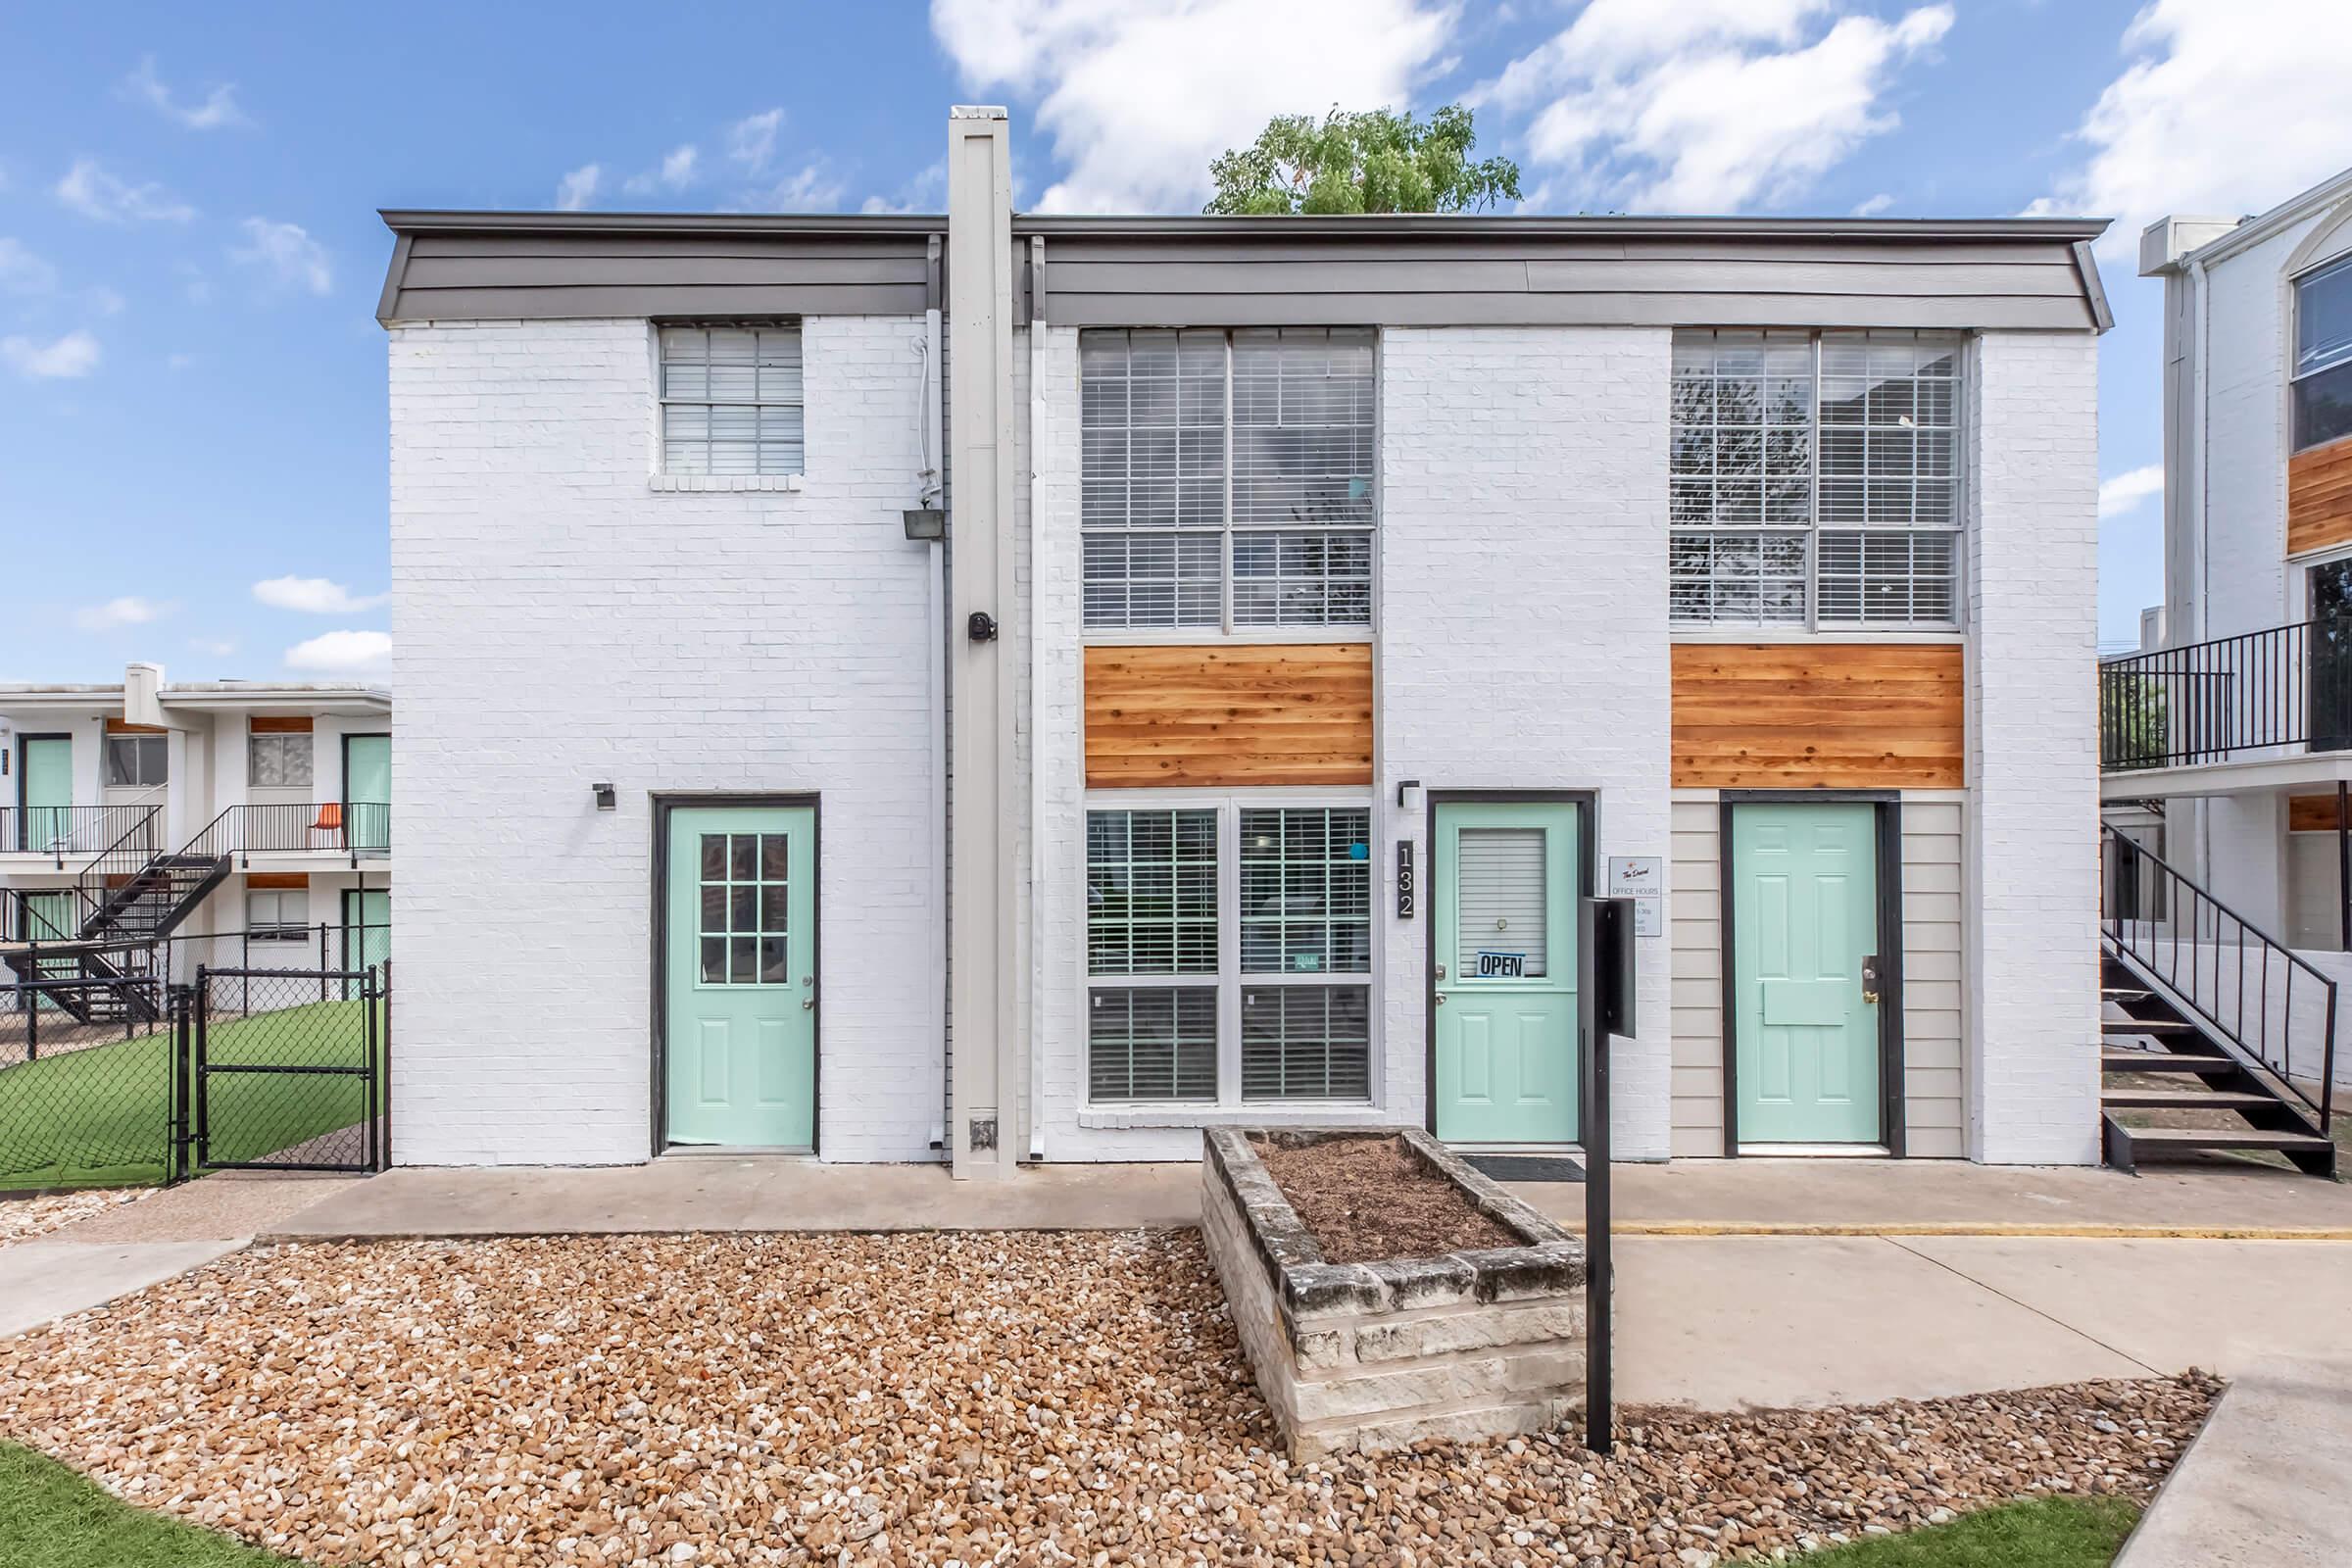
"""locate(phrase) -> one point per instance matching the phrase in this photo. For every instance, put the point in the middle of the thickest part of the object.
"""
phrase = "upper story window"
(279, 761)
(2323, 375)
(731, 401)
(136, 760)
(1228, 478)
(1816, 480)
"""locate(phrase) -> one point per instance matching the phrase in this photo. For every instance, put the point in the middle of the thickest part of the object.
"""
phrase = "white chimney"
(143, 695)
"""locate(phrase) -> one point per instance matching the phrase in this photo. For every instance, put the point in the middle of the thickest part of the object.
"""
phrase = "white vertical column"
(2033, 1026)
(983, 918)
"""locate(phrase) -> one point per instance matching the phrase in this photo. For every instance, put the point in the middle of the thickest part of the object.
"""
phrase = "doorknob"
(1440, 999)
(1869, 980)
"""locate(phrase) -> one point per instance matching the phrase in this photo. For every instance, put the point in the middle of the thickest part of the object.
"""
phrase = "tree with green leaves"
(1377, 161)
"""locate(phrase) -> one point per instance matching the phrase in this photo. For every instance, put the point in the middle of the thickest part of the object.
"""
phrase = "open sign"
(1503, 966)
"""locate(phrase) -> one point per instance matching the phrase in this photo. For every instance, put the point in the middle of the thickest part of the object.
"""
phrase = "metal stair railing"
(2250, 992)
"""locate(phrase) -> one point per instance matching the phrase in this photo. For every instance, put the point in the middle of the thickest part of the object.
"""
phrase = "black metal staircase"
(2207, 1014)
(129, 899)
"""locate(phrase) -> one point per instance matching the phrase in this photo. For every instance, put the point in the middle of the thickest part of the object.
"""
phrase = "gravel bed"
(24, 1218)
(916, 1398)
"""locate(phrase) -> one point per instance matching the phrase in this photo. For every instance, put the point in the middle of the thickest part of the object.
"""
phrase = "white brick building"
(1325, 605)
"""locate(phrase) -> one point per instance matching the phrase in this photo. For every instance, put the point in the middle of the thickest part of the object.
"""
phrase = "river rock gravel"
(24, 1218)
(919, 1398)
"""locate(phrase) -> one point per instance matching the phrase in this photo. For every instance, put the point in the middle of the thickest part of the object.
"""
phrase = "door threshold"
(1819, 1150)
(734, 1151)
(1565, 1149)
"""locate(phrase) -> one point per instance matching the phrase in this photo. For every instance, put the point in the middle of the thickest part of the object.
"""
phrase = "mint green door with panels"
(1805, 922)
(368, 791)
(47, 790)
(740, 976)
(367, 930)
(1504, 972)
(49, 917)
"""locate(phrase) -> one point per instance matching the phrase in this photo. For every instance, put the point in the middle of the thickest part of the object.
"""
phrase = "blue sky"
(192, 407)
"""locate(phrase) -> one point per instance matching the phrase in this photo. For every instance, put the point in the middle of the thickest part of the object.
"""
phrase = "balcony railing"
(360, 829)
(2282, 692)
(77, 832)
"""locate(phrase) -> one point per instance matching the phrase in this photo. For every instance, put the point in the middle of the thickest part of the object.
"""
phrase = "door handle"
(1869, 980)
(1440, 999)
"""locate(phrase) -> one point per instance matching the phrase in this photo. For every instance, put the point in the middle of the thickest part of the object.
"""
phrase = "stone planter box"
(1368, 1357)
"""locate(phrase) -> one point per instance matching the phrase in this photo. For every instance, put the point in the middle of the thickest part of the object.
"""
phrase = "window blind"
(1501, 902)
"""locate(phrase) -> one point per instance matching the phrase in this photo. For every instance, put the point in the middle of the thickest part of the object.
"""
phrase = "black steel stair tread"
(2220, 1137)
(2185, 1099)
(2146, 1026)
(2164, 1062)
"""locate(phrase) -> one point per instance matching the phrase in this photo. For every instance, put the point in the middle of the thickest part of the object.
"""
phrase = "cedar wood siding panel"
(2319, 498)
(1228, 715)
(1818, 715)
(2311, 813)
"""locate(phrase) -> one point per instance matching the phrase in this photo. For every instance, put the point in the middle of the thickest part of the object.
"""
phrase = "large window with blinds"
(1227, 477)
(1229, 953)
(731, 402)
(2320, 383)
(1816, 480)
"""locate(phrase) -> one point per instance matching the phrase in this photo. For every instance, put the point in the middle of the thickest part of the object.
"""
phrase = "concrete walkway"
(2268, 1484)
(50, 1278)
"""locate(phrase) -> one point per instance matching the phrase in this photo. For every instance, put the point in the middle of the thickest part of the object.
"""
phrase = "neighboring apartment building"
(247, 813)
(2228, 742)
(1324, 604)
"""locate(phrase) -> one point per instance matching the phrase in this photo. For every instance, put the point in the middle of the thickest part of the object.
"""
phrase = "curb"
(2086, 1231)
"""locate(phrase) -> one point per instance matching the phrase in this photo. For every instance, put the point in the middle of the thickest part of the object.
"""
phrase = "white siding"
(1697, 877)
(1934, 1024)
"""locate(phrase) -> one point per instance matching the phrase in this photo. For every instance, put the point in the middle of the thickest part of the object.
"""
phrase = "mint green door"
(48, 790)
(367, 929)
(741, 977)
(1804, 916)
(49, 917)
(368, 791)
(1506, 879)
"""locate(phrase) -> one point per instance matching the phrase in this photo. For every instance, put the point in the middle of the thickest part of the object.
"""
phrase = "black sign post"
(1604, 1006)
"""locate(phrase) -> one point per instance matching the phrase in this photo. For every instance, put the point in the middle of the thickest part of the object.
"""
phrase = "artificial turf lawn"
(100, 1116)
(2045, 1533)
(51, 1518)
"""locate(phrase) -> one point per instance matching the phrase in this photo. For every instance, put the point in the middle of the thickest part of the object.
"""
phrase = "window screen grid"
(1209, 429)
(1151, 893)
(1307, 1043)
(1305, 890)
(743, 909)
(1151, 1043)
(732, 400)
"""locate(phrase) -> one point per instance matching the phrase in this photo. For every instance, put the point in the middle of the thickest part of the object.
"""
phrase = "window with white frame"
(1229, 953)
(278, 762)
(1816, 480)
(731, 404)
(138, 761)
(277, 914)
(2322, 382)
(1227, 477)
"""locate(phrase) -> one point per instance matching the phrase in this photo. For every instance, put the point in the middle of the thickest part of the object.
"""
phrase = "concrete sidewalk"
(49, 1278)
(2268, 1484)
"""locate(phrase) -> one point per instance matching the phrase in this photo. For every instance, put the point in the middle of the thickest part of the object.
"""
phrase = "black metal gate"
(283, 1069)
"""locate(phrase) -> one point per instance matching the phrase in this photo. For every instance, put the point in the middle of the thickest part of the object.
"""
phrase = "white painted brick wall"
(1523, 533)
(558, 624)
(2032, 766)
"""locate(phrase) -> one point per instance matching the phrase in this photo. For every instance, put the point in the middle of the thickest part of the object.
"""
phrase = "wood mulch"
(1367, 1199)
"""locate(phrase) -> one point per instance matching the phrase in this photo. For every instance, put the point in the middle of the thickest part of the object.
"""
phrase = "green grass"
(98, 1117)
(51, 1518)
(2046, 1532)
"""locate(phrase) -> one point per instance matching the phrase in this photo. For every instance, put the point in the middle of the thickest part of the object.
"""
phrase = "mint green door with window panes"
(1506, 880)
(47, 790)
(1804, 917)
(367, 929)
(49, 917)
(368, 791)
(740, 973)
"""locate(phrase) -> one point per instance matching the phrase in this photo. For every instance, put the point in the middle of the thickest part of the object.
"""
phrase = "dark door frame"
(23, 811)
(1588, 834)
(1888, 822)
(664, 803)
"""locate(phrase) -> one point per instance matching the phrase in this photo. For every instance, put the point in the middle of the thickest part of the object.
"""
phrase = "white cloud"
(219, 107)
(91, 190)
(313, 596)
(1873, 205)
(217, 646)
(752, 140)
(127, 611)
(1140, 95)
(287, 253)
(2225, 107)
(21, 271)
(342, 651)
(105, 301)
(1710, 105)
(577, 189)
(677, 173)
(2126, 491)
(813, 189)
(68, 358)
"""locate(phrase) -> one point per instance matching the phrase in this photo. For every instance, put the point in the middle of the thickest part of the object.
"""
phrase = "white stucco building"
(993, 687)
